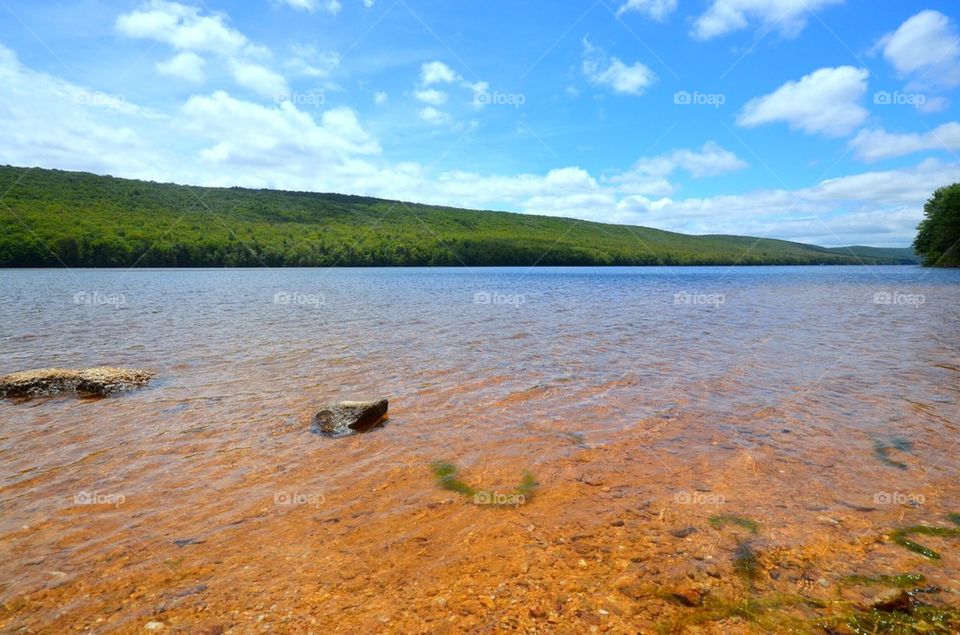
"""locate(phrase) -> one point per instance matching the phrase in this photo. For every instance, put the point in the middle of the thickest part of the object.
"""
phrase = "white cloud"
(825, 101)
(880, 208)
(187, 66)
(432, 96)
(613, 73)
(310, 62)
(710, 160)
(247, 134)
(654, 9)
(650, 176)
(925, 49)
(380, 98)
(438, 73)
(46, 121)
(789, 17)
(435, 117)
(182, 27)
(872, 145)
(259, 79)
(328, 6)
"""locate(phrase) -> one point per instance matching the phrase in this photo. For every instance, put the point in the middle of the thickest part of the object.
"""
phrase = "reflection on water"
(820, 401)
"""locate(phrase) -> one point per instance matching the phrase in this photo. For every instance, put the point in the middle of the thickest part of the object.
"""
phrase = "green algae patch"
(745, 561)
(901, 581)
(901, 537)
(767, 614)
(446, 475)
(882, 449)
(923, 619)
(527, 486)
(723, 520)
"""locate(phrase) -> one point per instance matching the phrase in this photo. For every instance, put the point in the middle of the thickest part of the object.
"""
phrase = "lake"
(661, 412)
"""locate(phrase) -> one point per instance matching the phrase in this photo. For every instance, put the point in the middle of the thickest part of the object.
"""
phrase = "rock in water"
(347, 417)
(893, 600)
(102, 381)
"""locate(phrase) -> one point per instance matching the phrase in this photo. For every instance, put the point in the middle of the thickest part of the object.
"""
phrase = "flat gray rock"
(102, 381)
(341, 418)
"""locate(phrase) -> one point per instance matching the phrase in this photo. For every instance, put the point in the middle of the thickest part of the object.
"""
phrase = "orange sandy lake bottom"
(203, 504)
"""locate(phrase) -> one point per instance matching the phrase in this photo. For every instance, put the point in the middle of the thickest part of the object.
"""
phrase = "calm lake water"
(788, 394)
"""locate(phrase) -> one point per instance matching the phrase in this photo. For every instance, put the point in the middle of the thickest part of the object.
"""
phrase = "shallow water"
(658, 396)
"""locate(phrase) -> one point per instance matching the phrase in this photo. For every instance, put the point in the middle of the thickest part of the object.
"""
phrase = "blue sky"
(826, 121)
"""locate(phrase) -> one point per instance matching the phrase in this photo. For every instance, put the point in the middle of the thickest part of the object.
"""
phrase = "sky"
(821, 121)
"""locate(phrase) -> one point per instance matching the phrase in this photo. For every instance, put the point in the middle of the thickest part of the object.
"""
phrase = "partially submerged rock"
(893, 600)
(102, 381)
(347, 417)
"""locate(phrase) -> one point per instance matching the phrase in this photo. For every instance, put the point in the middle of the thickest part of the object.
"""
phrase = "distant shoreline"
(464, 267)
(75, 219)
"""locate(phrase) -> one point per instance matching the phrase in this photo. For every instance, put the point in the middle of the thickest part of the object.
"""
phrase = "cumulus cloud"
(432, 96)
(245, 133)
(310, 62)
(650, 176)
(613, 73)
(182, 27)
(70, 126)
(654, 9)
(328, 6)
(872, 145)
(789, 17)
(188, 30)
(436, 74)
(925, 49)
(880, 208)
(435, 117)
(187, 66)
(259, 79)
(826, 101)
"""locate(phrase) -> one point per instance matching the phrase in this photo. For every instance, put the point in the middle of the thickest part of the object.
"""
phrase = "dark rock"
(100, 381)
(199, 588)
(893, 600)
(688, 596)
(683, 533)
(347, 417)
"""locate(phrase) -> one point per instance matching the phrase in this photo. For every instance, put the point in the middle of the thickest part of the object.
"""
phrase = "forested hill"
(52, 218)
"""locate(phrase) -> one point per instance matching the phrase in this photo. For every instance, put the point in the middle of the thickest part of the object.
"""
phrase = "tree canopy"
(52, 218)
(938, 235)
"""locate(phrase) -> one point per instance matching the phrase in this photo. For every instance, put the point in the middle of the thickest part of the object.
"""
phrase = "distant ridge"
(52, 218)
